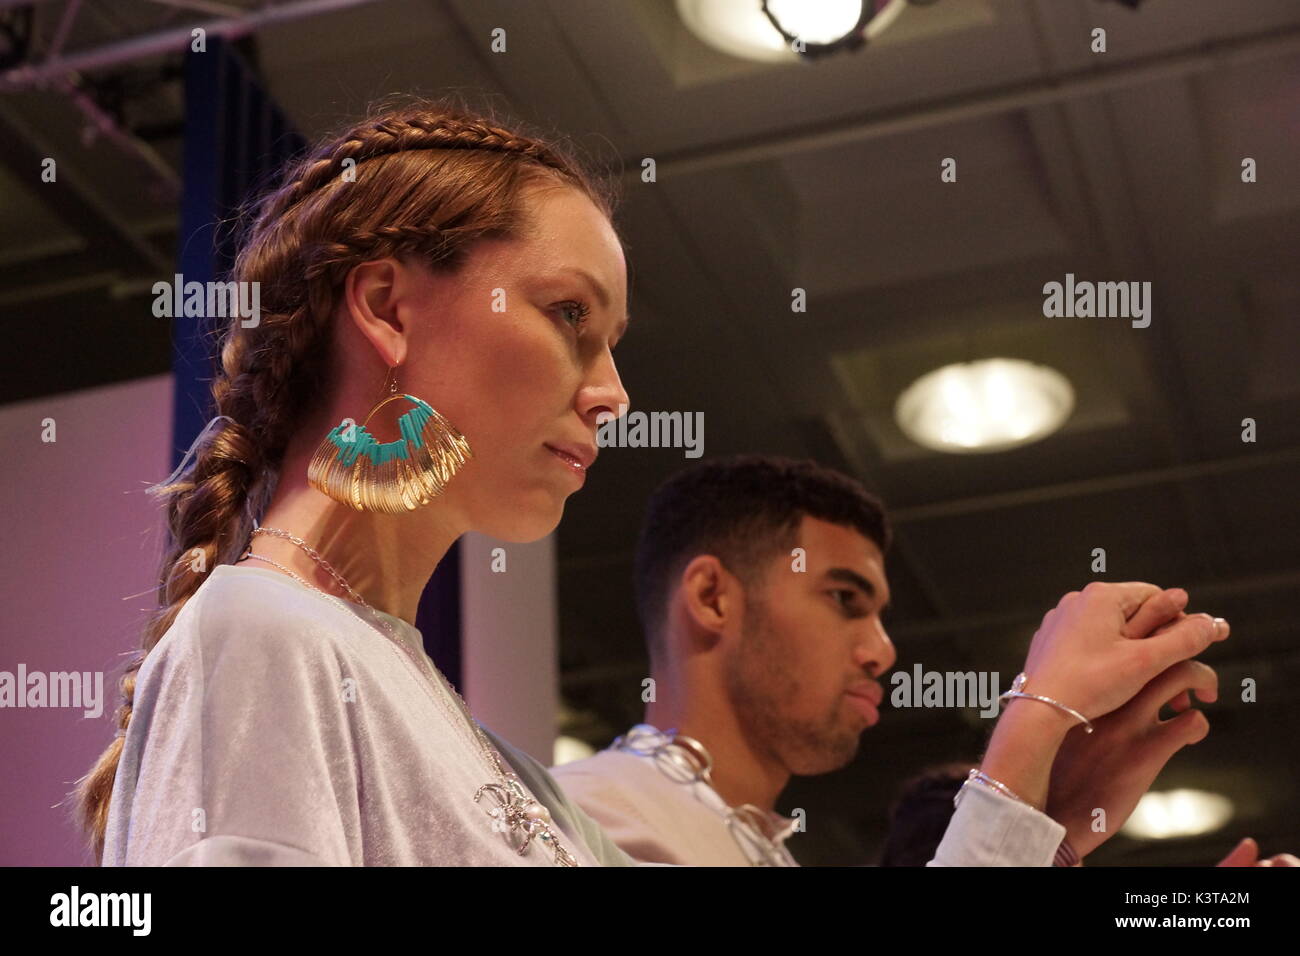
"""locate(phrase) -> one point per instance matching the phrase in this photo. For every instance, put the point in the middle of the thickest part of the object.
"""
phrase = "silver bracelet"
(1016, 690)
(979, 776)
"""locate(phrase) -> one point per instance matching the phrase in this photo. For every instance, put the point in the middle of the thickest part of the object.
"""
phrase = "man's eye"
(848, 597)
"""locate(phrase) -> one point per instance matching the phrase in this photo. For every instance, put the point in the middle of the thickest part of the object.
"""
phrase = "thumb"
(1244, 854)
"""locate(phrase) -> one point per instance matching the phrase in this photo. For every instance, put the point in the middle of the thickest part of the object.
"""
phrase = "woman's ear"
(371, 294)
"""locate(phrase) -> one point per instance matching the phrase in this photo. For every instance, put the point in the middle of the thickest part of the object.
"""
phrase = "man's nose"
(876, 654)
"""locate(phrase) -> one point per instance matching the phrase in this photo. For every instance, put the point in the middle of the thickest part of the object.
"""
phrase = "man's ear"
(710, 594)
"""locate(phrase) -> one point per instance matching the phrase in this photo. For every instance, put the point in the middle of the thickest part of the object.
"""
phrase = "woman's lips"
(570, 461)
(582, 453)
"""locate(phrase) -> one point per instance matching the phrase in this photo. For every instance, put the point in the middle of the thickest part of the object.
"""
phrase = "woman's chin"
(534, 517)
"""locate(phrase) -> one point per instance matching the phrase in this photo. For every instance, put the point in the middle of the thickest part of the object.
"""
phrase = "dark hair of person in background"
(920, 815)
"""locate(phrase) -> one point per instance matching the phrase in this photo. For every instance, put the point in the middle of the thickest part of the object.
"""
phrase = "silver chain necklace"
(517, 812)
(685, 760)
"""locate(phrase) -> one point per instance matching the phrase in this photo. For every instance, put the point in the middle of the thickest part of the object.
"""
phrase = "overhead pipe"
(175, 39)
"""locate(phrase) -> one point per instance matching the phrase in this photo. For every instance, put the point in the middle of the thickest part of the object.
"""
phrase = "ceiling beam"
(1024, 496)
(74, 203)
(1072, 85)
(1093, 486)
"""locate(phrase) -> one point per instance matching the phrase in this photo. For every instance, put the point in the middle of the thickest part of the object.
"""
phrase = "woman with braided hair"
(282, 710)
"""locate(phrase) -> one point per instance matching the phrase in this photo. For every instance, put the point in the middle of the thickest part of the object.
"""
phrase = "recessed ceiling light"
(984, 406)
(742, 28)
(1177, 813)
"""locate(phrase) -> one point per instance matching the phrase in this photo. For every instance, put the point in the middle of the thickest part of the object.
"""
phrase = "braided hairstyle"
(424, 178)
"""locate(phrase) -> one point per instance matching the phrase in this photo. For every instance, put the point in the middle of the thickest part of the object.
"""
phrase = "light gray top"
(273, 727)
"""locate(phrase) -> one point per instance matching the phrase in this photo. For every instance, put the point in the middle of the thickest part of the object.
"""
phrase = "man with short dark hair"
(760, 582)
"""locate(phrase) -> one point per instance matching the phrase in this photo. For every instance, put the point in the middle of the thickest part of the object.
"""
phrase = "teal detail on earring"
(411, 425)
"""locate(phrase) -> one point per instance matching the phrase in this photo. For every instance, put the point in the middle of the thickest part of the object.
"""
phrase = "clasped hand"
(1119, 653)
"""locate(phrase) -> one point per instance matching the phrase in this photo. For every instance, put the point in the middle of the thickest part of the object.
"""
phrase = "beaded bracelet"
(979, 776)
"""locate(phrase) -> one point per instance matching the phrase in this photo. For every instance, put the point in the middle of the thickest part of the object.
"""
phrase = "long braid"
(429, 179)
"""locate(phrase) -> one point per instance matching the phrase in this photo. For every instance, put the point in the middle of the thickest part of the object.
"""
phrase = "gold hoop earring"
(353, 468)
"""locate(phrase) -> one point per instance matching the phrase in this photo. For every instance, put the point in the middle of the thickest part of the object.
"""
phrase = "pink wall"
(82, 543)
(509, 627)
(80, 540)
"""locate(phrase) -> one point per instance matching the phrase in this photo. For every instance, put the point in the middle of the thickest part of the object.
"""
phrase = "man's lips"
(869, 690)
(865, 707)
(866, 695)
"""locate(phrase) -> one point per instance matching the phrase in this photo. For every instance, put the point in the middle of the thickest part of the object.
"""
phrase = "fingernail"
(1221, 628)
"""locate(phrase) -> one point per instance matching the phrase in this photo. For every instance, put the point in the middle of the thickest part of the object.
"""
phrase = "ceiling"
(1116, 166)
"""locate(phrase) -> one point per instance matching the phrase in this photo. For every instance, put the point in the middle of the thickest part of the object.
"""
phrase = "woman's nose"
(604, 398)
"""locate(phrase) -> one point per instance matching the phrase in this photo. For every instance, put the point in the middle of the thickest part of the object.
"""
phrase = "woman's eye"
(575, 313)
